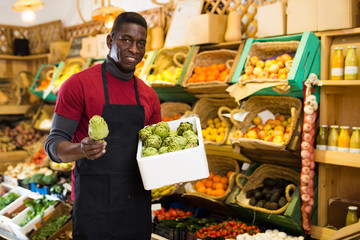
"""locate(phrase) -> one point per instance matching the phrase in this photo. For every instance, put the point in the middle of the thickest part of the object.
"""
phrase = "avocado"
(275, 196)
(266, 189)
(267, 204)
(277, 189)
(273, 206)
(269, 182)
(261, 203)
(282, 201)
(267, 196)
(252, 201)
(250, 193)
(258, 195)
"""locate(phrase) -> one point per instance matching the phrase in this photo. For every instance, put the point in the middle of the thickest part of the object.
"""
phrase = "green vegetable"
(50, 179)
(144, 134)
(174, 147)
(51, 227)
(163, 124)
(151, 128)
(183, 127)
(163, 150)
(188, 133)
(153, 141)
(161, 131)
(57, 188)
(27, 180)
(167, 141)
(172, 133)
(38, 178)
(7, 199)
(180, 140)
(149, 151)
(193, 139)
(98, 129)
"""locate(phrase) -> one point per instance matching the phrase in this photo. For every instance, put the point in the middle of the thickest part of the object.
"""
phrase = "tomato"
(173, 213)
(167, 215)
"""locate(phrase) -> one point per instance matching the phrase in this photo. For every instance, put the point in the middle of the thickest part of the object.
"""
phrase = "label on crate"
(337, 72)
(342, 149)
(332, 148)
(354, 150)
(351, 70)
(321, 147)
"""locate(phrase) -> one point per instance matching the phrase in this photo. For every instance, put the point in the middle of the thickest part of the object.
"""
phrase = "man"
(110, 200)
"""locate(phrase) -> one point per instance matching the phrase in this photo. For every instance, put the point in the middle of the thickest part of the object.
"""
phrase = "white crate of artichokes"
(171, 152)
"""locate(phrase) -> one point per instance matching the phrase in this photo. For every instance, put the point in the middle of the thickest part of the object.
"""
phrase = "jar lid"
(341, 48)
(354, 47)
(345, 127)
(336, 48)
(353, 208)
(334, 126)
(354, 128)
(324, 125)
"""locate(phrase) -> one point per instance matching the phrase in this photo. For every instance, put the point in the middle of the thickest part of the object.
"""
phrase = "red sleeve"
(156, 115)
(70, 100)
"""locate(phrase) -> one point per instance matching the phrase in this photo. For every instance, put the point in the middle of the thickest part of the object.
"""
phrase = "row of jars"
(344, 68)
(334, 140)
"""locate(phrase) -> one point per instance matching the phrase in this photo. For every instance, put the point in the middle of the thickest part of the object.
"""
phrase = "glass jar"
(343, 139)
(322, 138)
(351, 216)
(337, 65)
(351, 64)
(333, 138)
(355, 141)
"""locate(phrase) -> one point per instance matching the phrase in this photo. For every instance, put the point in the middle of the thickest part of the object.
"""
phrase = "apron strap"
(106, 91)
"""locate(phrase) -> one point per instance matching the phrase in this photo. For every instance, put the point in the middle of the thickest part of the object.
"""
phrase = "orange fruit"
(218, 185)
(229, 173)
(201, 78)
(197, 69)
(224, 180)
(201, 190)
(210, 78)
(209, 184)
(219, 192)
(211, 175)
(216, 178)
(199, 184)
(209, 191)
(221, 67)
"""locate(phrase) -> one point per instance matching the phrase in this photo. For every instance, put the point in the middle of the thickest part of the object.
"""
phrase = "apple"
(269, 121)
(286, 136)
(284, 123)
(260, 64)
(270, 133)
(268, 138)
(285, 57)
(262, 134)
(273, 76)
(278, 58)
(288, 128)
(238, 134)
(263, 75)
(277, 133)
(254, 60)
(249, 69)
(257, 71)
(280, 64)
(257, 120)
(276, 123)
(289, 120)
(282, 71)
(283, 76)
(278, 139)
(274, 68)
(279, 128)
(246, 135)
(244, 77)
(267, 127)
(261, 126)
(252, 134)
(254, 128)
(280, 117)
(268, 63)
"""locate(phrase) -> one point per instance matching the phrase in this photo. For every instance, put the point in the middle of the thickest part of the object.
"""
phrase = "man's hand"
(92, 149)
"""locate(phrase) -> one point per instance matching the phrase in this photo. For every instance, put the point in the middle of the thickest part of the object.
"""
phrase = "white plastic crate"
(22, 192)
(174, 167)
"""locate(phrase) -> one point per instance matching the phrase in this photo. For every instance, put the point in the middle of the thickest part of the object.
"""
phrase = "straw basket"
(256, 179)
(221, 166)
(206, 59)
(288, 106)
(171, 108)
(207, 108)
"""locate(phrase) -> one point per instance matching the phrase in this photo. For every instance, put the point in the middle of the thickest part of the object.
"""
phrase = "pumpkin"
(233, 29)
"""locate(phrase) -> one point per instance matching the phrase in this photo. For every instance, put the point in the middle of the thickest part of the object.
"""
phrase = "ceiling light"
(105, 12)
(28, 16)
(22, 5)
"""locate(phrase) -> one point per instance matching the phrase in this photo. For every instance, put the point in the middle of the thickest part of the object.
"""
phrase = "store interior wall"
(65, 10)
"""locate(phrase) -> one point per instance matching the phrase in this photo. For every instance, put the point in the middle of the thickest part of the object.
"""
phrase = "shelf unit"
(339, 105)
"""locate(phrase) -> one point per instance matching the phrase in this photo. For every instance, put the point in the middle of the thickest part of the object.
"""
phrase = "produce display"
(268, 234)
(167, 76)
(273, 130)
(38, 207)
(39, 157)
(62, 166)
(176, 116)
(68, 70)
(215, 72)
(162, 191)
(214, 185)
(51, 227)
(98, 128)
(24, 170)
(160, 139)
(171, 213)
(277, 68)
(271, 195)
(215, 130)
(20, 136)
(7, 199)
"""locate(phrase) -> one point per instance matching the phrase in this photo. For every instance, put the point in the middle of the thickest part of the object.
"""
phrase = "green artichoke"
(161, 131)
(167, 141)
(181, 141)
(172, 133)
(98, 129)
(144, 134)
(190, 145)
(188, 133)
(193, 139)
(163, 150)
(174, 147)
(183, 127)
(149, 151)
(164, 124)
(151, 128)
(153, 141)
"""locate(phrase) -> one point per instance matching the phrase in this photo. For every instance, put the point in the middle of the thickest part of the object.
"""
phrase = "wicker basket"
(288, 106)
(206, 59)
(219, 165)
(171, 108)
(207, 108)
(256, 179)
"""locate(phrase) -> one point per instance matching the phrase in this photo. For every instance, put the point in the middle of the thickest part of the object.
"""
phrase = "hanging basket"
(221, 166)
(255, 180)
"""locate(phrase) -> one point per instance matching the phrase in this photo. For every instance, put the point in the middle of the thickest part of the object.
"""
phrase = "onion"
(308, 109)
(308, 138)
(307, 127)
(312, 165)
(304, 189)
(311, 201)
(305, 170)
(306, 162)
(305, 178)
(310, 119)
(305, 145)
(305, 154)
(305, 197)
(308, 209)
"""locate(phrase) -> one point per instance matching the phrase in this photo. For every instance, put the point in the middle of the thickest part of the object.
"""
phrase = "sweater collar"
(114, 70)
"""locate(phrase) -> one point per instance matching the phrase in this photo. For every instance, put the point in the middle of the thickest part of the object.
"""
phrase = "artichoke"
(180, 140)
(164, 124)
(98, 129)
(163, 150)
(167, 141)
(172, 133)
(161, 131)
(174, 147)
(193, 139)
(190, 145)
(151, 128)
(153, 141)
(188, 133)
(144, 134)
(183, 127)
(149, 151)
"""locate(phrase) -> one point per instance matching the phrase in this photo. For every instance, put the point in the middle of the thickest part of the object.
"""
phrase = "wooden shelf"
(340, 83)
(13, 109)
(29, 57)
(318, 232)
(338, 158)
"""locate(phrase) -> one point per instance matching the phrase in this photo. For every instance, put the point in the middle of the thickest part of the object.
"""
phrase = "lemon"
(218, 124)
(223, 124)
(216, 120)
(209, 122)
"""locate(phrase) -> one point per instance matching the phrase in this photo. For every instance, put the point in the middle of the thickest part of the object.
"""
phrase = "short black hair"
(127, 17)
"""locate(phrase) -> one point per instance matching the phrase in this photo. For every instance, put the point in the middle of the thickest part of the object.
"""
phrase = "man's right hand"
(93, 149)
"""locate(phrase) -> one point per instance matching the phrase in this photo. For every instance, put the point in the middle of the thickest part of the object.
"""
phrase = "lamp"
(27, 8)
(107, 13)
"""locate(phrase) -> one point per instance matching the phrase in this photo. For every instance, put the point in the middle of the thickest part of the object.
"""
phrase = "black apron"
(110, 200)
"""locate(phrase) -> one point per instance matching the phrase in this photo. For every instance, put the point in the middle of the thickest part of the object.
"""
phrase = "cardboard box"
(335, 14)
(102, 48)
(271, 20)
(58, 51)
(174, 167)
(301, 16)
(88, 47)
(205, 28)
